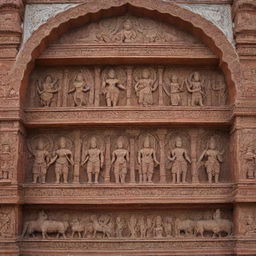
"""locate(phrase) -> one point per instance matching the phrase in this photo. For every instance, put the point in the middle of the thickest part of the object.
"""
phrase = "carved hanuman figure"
(147, 160)
(195, 87)
(79, 88)
(63, 158)
(144, 89)
(120, 157)
(111, 87)
(46, 90)
(212, 164)
(41, 162)
(179, 157)
(94, 158)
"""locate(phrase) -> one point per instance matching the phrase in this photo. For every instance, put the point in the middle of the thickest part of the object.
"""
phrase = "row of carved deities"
(133, 226)
(117, 159)
(148, 85)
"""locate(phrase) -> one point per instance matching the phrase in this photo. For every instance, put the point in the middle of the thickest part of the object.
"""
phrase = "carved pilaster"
(77, 156)
(129, 85)
(132, 135)
(194, 167)
(64, 93)
(97, 85)
(107, 156)
(160, 81)
(161, 135)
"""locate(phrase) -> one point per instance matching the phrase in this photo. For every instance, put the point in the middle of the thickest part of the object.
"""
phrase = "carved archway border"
(185, 19)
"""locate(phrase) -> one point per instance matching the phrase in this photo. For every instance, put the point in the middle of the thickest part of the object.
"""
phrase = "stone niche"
(127, 156)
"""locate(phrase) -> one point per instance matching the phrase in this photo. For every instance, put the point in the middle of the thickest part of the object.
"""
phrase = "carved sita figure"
(41, 162)
(214, 158)
(79, 88)
(179, 158)
(94, 158)
(46, 90)
(111, 87)
(127, 34)
(147, 161)
(120, 157)
(195, 87)
(6, 159)
(250, 159)
(144, 87)
(175, 90)
(63, 158)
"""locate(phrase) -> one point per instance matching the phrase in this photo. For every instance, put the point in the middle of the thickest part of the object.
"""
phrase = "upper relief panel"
(127, 30)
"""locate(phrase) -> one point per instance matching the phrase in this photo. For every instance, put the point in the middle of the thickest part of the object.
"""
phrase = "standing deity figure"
(147, 161)
(120, 157)
(6, 160)
(179, 157)
(132, 225)
(119, 227)
(94, 158)
(46, 90)
(250, 158)
(5, 224)
(159, 230)
(149, 227)
(144, 89)
(63, 158)
(79, 88)
(219, 87)
(111, 87)
(195, 87)
(127, 33)
(142, 227)
(41, 162)
(175, 91)
(212, 164)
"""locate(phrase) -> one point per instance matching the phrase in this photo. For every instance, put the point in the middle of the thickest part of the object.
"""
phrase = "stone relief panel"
(126, 29)
(127, 156)
(132, 225)
(7, 222)
(121, 86)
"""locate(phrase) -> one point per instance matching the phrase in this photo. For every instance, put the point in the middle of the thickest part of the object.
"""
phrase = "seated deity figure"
(212, 164)
(250, 159)
(147, 161)
(46, 90)
(63, 158)
(94, 158)
(179, 157)
(120, 157)
(111, 87)
(41, 161)
(174, 92)
(195, 87)
(79, 88)
(6, 159)
(127, 33)
(144, 89)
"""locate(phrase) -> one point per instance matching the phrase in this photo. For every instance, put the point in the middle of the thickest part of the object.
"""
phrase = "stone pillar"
(193, 150)
(97, 85)
(160, 86)
(133, 158)
(161, 135)
(77, 156)
(91, 92)
(129, 85)
(63, 93)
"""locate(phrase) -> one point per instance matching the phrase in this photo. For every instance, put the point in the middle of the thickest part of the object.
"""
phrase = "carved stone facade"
(127, 127)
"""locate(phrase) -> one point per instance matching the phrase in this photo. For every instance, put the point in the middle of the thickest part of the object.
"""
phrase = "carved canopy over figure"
(179, 158)
(174, 90)
(214, 158)
(94, 158)
(195, 86)
(147, 161)
(79, 88)
(144, 88)
(46, 90)
(63, 158)
(120, 157)
(111, 87)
